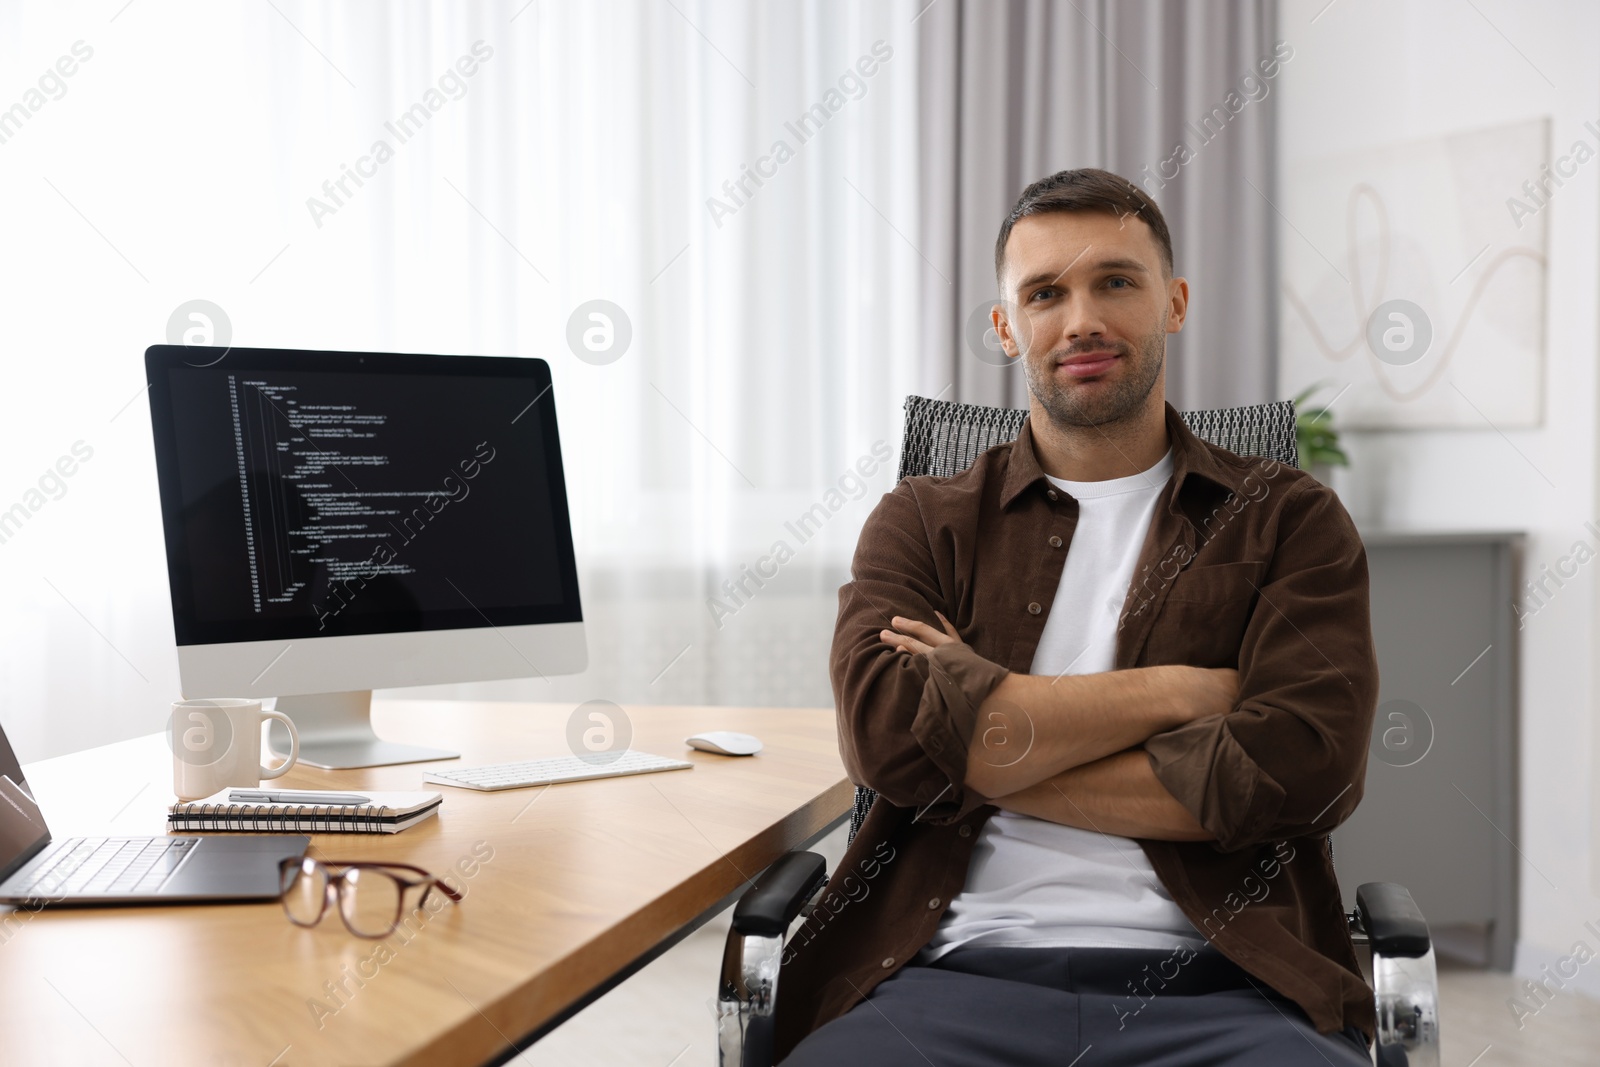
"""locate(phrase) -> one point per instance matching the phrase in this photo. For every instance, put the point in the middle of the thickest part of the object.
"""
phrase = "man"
(1114, 686)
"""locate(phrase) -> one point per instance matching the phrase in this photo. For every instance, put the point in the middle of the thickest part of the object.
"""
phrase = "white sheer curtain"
(772, 332)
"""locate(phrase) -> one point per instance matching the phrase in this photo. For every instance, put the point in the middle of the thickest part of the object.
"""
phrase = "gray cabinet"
(1439, 814)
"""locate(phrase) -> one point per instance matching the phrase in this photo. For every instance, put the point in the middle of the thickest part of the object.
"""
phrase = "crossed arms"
(1069, 749)
(1179, 753)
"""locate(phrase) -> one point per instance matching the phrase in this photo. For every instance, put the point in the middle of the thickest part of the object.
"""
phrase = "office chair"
(943, 438)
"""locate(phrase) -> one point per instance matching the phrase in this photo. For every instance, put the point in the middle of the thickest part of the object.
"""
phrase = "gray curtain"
(1013, 91)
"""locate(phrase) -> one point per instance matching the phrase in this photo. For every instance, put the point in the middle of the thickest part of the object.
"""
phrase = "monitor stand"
(336, 733)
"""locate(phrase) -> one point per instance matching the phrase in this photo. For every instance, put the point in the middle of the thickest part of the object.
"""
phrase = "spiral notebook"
(386, 813)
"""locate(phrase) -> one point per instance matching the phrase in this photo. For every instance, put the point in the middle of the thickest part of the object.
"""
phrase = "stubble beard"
(1075, 406)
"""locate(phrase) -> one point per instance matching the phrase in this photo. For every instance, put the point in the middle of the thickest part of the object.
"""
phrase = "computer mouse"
(724, 743)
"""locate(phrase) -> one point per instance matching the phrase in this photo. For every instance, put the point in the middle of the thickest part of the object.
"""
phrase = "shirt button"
(1055, 542)
(1034, 608)
(888, 963)
(1052, 494)
(965, 831)
(934, 903)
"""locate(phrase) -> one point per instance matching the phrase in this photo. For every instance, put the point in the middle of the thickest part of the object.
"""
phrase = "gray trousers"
(1076, 1007)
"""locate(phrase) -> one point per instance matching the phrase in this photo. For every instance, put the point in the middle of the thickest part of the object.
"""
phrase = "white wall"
(1371, 73)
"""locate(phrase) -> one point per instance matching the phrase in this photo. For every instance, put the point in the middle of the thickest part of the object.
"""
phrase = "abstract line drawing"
(1424, 222)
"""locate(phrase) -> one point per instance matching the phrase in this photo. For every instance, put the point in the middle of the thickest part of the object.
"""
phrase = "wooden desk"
(587, 881)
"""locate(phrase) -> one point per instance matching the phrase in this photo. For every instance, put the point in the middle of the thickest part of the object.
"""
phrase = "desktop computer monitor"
(342, 521)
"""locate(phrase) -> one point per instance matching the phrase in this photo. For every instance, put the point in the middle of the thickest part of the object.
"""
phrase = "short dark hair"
(1086, 189)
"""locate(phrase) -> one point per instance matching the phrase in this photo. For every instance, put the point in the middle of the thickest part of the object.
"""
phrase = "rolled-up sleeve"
(905, 720)
(1290, 759)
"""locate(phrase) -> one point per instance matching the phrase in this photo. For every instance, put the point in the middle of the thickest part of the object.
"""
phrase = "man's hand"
(914, 636)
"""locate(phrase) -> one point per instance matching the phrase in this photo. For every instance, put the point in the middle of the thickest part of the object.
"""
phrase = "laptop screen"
(22, 829)
(9, 765)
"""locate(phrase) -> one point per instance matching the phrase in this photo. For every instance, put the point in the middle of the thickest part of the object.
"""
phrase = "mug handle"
(294, 746)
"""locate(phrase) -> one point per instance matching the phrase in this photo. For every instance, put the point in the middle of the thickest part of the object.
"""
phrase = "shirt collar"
(1190, 455)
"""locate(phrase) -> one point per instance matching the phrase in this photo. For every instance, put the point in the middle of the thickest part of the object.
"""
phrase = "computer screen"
(324, 494)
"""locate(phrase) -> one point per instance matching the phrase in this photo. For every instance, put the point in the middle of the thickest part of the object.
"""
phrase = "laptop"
(38, 870)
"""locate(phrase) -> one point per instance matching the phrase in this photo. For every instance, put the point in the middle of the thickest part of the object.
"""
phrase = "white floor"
(662, 1016)
(1476, 1022)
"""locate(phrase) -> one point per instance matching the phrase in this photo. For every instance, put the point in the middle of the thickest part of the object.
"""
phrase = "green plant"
(1317, 440)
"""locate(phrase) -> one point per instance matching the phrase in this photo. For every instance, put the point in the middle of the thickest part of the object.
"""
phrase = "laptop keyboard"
(111, 865)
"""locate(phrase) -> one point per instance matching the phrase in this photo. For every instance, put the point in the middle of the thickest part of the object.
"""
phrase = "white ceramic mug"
(216, 745)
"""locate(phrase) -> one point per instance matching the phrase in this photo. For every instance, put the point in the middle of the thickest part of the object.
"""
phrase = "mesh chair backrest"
(944, 438)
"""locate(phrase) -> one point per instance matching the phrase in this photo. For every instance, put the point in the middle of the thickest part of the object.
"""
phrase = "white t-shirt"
(1036, 883)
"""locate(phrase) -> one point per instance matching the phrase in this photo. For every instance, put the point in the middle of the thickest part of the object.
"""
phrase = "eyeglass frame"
(336, 884)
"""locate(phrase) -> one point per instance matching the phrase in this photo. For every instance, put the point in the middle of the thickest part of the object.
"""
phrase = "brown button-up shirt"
(1247, 564)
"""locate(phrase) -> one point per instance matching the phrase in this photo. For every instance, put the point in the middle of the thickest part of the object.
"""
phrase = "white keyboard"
(552, 770)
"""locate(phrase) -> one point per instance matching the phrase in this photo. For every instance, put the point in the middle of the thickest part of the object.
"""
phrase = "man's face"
(1088, 312)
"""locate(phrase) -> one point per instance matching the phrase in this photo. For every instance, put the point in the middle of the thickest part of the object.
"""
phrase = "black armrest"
(1393, 923)
(768, 907)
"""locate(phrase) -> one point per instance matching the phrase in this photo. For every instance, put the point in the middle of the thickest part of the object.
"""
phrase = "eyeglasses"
(371, 896)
